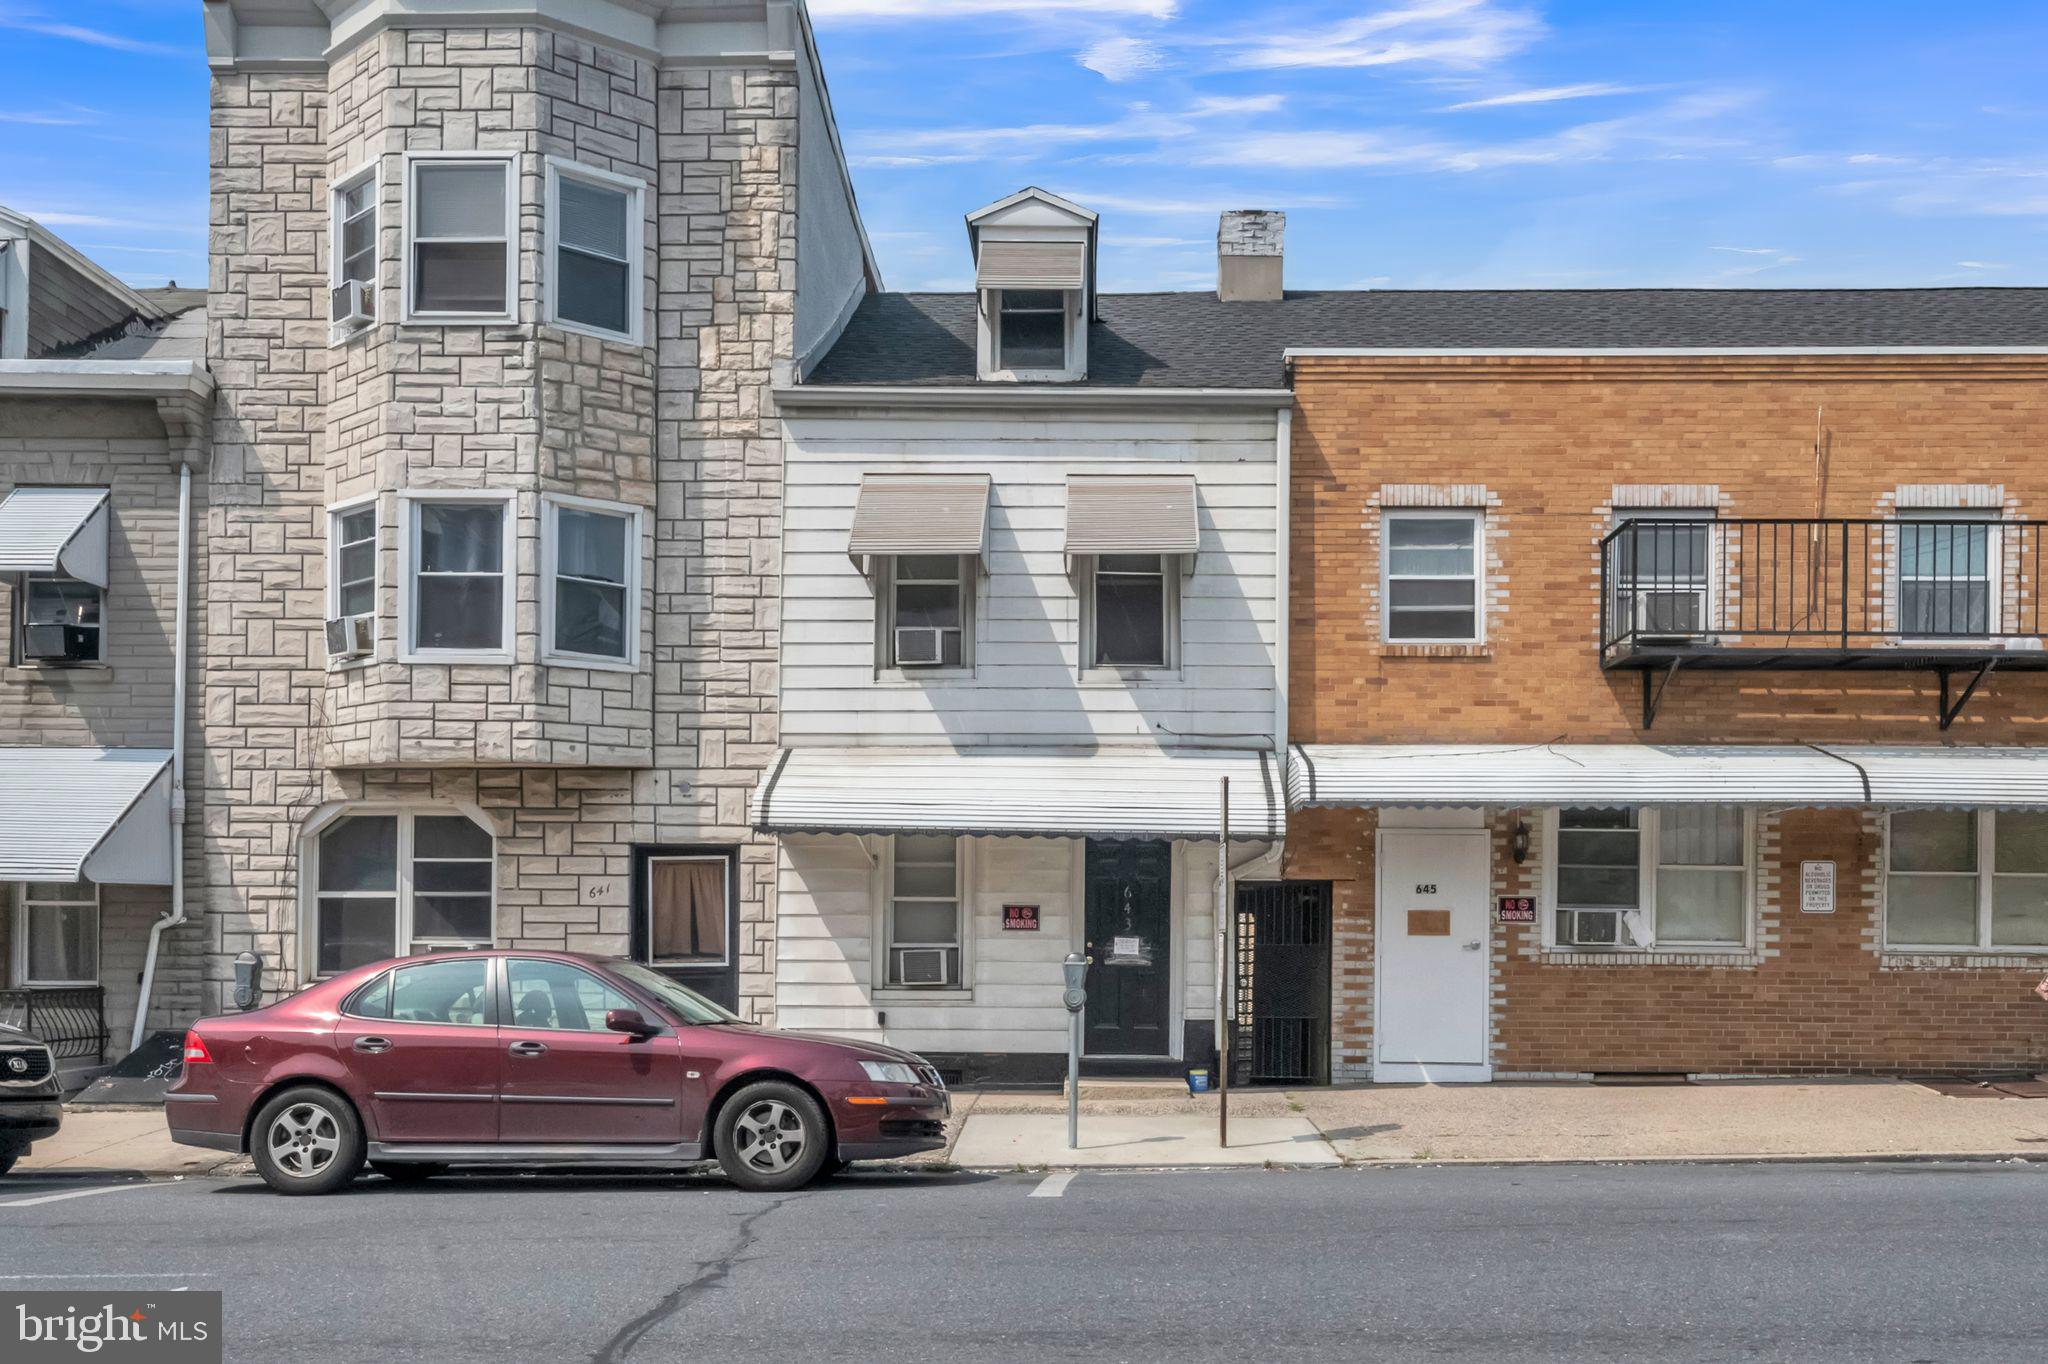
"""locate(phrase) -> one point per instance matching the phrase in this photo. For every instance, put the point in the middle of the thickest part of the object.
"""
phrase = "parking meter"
(248, 980)
(1076, 999)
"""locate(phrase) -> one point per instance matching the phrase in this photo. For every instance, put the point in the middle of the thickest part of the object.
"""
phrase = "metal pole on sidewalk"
(1073, 1082)
(1223, 1010)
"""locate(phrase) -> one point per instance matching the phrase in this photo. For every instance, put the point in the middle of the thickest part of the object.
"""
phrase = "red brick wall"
(1542, 444)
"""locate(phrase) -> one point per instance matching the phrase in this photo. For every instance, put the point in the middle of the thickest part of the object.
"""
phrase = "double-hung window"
(1945, 575)
(924, 932)
(389, 884)
(1962, 880)
(594, 229)
(1135, 600)
(57, 934)
(352, 232)
(1430, 583)
(592, 560)
(930, 618)
(458, 593)
(1031, 329)
(62, 620)
(1663, 574)
(352, 560)
(460, 236)
(1673, 877)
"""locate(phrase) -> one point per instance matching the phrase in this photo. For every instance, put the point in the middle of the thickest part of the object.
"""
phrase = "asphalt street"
(1879, 1262)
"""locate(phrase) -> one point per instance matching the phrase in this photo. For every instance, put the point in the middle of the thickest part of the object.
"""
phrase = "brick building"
(1663, 699)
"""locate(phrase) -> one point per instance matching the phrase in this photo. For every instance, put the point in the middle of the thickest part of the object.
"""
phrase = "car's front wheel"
(307, 1141)
(772, 1137)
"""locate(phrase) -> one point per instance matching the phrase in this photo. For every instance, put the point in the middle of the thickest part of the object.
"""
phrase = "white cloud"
(1206, 204)
(49, 118)
(63, 218)
(1747, 250)
(1121, 58)
(1547, 95)
(1452, 33)
(910, 148)
(1983, 265)
(977, 9)
(1213, 106)
(48, 28)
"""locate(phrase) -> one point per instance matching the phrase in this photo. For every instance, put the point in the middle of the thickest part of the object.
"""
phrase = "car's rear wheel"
(772, 1137)
(307, 1141)
(406, 1171)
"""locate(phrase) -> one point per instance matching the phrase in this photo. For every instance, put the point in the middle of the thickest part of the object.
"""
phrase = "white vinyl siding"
(1027, 684)
(1967, 880)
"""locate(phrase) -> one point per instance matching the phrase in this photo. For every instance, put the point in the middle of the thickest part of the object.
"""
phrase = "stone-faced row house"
(583, 551)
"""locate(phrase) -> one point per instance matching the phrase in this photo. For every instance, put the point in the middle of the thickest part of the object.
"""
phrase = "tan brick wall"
(1544, 444)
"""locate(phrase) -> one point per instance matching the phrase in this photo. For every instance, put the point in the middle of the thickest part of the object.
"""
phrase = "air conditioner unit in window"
(919, 646)
(353, 303)
(924, 965)
(1665, 612)
(351, 636)
(1592, 928)
(60, 644)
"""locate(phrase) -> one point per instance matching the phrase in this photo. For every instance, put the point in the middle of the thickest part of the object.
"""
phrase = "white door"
(1432, 976)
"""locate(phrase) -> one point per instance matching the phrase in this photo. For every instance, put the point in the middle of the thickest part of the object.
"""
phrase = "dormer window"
(1034, 272)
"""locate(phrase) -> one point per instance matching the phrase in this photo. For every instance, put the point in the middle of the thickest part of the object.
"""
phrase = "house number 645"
(1425, 887)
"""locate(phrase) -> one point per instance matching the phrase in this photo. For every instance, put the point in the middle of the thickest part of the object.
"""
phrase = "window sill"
(596, 665)
(44, 672)
(487, 658)
(339, 336)
(910, 677)
(1113, 676)
(932, 994)
(1443, 649)
(1962, 958)
(1743, 958)
(458, 320)
(628, 340)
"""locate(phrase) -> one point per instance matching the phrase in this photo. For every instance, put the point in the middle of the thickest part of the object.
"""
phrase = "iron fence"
(72, 1019)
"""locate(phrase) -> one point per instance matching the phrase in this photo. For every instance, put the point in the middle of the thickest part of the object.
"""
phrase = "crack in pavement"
(710, 1274)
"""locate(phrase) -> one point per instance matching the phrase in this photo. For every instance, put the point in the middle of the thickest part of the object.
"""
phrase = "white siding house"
(1033, 617)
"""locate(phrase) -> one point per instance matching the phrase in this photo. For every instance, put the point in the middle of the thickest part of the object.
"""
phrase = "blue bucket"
(1198, 1081)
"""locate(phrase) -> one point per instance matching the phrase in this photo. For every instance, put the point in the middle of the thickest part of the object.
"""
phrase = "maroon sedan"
(537, 1058)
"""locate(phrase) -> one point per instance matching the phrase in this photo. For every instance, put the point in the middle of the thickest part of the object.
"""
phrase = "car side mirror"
(630, 1022)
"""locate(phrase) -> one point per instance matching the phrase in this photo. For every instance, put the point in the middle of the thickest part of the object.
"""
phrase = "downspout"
(1283, 505)
(176, 914)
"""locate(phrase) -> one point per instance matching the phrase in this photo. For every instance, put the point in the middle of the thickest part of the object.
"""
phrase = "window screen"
(459, 241)
(593, 269)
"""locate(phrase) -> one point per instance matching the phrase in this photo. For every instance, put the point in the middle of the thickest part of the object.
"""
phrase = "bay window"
(594, 230)
(352, 560)
(923, 910)
(1965, 880)
(461, 216)
(591, 596)
(57, 934)
(389, 884)
(457, 600)
(1676, 876)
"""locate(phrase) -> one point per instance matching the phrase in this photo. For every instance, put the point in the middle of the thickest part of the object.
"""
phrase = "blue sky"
(1414, 143)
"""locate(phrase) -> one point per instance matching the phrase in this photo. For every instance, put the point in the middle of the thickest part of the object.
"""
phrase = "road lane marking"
(75, 1193)
(1052, 1186)
(9, 1278)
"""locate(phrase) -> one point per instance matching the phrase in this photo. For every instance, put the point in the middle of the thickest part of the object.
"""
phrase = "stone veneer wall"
(681, 425)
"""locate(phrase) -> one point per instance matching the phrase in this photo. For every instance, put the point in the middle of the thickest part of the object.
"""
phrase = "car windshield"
(689, 1006)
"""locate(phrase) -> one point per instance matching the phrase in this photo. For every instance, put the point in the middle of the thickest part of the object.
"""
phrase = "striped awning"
(55, 530)
(920, 514)
(1099, 793)
(96, 814)
(1806, 776)
(1118, 514)
(1031, 265)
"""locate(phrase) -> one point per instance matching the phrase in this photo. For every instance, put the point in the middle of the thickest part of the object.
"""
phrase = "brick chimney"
(1250, 252)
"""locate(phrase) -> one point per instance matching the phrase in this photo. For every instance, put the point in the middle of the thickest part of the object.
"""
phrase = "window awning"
(1054, 793)
(1793, 776)
(1119, 514)
(920, 514)
(55, 530)
(98, 814)
(1031, 265)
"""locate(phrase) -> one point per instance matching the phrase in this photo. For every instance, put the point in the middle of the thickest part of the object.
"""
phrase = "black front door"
(1130, 939)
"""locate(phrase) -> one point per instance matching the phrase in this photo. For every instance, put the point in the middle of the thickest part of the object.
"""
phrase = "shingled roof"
(1194, 340)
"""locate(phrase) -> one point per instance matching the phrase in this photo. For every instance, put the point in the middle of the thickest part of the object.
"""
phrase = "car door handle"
(373, 1045)
(528, 1049)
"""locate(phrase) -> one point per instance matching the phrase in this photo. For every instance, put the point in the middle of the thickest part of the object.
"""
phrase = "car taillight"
(195, 1050)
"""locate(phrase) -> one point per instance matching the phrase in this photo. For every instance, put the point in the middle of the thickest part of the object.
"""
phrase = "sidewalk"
(1389, 1124)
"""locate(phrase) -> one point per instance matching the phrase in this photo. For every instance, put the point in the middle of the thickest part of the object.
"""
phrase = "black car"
(31, 1104)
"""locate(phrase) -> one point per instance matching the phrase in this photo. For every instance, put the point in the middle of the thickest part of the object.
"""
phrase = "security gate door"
(1130, 940)
(1283, 983)
(1431, 925)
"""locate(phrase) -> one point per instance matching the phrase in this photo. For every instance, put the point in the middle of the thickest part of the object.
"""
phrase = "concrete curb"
(1498, 1162)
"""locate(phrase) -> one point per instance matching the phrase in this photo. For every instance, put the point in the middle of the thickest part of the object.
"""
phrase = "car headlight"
(889, 1072)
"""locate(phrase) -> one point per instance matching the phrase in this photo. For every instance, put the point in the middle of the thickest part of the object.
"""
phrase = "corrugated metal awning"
(1793, 776)
(1056, 793)
(1120, 514)
(920, 514)
(100, 814)
(1031, 265)
(55, 530)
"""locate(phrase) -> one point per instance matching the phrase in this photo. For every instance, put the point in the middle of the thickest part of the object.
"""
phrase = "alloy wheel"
(303, 1140)
(770, 1136)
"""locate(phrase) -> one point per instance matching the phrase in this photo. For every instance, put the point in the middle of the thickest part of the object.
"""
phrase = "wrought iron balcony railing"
(72, 1019)
(1955, 594)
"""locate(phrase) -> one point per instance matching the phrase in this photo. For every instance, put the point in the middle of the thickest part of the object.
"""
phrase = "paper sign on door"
(1429, 923)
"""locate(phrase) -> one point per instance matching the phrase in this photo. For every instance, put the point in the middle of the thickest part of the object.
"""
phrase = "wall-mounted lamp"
(1518, 842)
